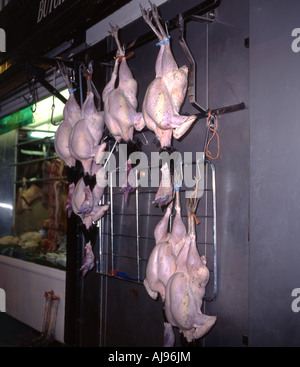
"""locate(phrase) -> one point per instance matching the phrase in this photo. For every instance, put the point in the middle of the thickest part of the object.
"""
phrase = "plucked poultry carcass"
(72, 114)
(86, 199)
(120, 103)
(86, 135)
(89, 260)
(162, 261)
(165, 191)
(177, 272)
(186, 288)
(165, 95)
(161, 265)
(120, 107)
(98, 211)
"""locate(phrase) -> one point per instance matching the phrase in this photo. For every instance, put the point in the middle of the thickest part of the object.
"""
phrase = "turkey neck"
(125, 73)
(161, 230)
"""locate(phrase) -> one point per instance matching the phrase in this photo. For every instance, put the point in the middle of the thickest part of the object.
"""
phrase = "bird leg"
(114, 34)
(148, 19)
(157, 20)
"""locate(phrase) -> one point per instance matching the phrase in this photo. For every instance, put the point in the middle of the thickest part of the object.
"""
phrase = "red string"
(194, 216)
(90, 75)
(124, 57)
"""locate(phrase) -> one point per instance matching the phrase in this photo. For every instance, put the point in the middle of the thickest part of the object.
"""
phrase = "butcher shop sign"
(46, 7)
(2, 300)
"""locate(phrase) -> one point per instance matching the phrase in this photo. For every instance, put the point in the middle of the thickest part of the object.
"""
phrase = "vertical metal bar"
(101, 312)
(80, 86)
(110, 154)
(206, 210)
(207, 66)
(15, 175)
(100, 226)
(105, 312)
(137, 225)
(214, 225)
(111, 222)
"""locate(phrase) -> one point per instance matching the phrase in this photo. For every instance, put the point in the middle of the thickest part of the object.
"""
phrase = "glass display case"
(39, 216)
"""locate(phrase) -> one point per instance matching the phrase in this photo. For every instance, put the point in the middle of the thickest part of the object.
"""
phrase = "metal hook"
(192, 72)
(110, 154)
(146, 140)
(178, 178)
(212, 121)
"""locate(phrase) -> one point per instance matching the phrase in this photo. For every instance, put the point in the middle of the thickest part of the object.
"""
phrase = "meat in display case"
(40, 218)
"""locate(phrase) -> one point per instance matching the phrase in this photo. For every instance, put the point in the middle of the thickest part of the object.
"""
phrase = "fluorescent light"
(40, 135)
(6, 206)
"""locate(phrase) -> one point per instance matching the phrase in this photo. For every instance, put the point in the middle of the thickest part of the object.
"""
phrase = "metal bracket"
(192, 70)
(39, 75)
(211, 19)
(206, 6)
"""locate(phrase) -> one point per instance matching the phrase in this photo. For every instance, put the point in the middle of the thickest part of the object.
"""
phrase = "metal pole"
(137, 225)
(111, 222)
(100, 267)
(33, 161)
(214, 227)
(80, 86)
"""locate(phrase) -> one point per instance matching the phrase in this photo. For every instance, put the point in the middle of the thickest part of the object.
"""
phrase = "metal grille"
(126, 233)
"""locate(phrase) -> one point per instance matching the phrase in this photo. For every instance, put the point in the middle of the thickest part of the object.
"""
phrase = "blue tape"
(164, 42)
(72, 91)
(178, 187)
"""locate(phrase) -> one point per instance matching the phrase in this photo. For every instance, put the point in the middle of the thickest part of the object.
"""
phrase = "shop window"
(40, 218)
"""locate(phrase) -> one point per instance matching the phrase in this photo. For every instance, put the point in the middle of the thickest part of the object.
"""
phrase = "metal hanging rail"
(201, 9)
(36, 140)
(192, 71)
(108, 252)
(33, 161)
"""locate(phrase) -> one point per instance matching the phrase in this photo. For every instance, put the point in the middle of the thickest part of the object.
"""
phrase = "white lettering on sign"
(2, 40)
(296, 42)
(46, 7)
(2, 300)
